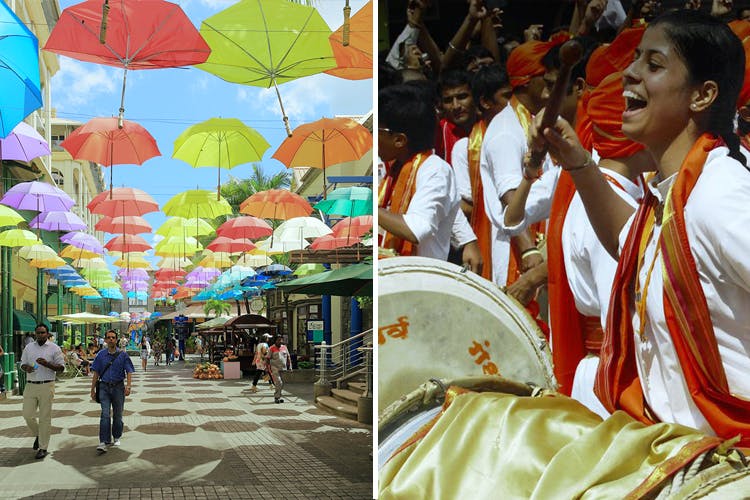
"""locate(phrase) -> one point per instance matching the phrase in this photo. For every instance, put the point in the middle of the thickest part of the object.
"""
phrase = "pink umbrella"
(245, 227)
(330, 242)
(127, 243)
(353, 226)
(58, 221)
(122, 201)
(128, 224)
(229, 245)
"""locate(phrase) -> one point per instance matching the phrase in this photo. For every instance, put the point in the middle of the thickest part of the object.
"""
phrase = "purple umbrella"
(132, 274)
(23, 144)
(196, 283)
(137, 286)
(83, 241)
(58, 221)
(38, 196)
(203, 274)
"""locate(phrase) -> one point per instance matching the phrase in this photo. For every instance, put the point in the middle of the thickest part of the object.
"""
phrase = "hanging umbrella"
(353, 226)
(136, 262)
(254, 260)
(58, 221)
(176, 246)
(331, 242)
(48, 262)
(38, 196)
(9, 217)
(275, 247)
(245, 227)
(128, 224)
(23, 144)
(274, 270)
(128, 34)
(127, 243)
(18, 238)
(83, 241)
(229, 245)
(167, 274)
(264, 43)
(348, 201)
(197, 203)
(34, 252)
(347, 282)
(20, 92)
(132, 273)
(308, 269)
(276, 204)
(121, 202)
(299, 228)
(104, 141)
(216, 259)
(325, 142)
(180, 226)
(353, 53)
(71, 252)
(174, 263)
(93, 263)
(219, 142)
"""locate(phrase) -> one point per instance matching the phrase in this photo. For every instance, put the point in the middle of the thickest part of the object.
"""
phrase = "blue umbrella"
(20, 92)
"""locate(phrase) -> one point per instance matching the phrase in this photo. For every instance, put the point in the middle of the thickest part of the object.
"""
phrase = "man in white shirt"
(41, 360)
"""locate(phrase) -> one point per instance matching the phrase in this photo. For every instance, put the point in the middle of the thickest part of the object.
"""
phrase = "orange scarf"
(686, 311)
(397, 195)
(480, 223)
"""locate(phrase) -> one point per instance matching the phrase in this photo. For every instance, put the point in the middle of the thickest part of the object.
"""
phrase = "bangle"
(451, 46)
(588, 163)
(530, 251)
(534, 177)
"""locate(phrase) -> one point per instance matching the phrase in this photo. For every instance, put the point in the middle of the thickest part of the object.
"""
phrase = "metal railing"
(339, 361)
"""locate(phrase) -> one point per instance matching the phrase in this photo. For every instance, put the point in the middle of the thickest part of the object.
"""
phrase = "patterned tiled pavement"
(187, 438)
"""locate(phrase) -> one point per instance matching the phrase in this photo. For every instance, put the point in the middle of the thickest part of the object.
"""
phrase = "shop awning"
(23, 321)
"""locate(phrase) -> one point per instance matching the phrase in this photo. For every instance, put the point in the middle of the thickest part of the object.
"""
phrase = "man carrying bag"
(111, 368)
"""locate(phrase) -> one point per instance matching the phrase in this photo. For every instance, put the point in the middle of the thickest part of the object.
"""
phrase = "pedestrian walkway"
(187, 438)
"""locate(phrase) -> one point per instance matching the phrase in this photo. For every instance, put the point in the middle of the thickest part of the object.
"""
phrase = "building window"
(28, 307)
(58, 177)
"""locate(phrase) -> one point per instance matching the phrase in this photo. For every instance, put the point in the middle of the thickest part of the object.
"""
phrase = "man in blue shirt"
(111, 368)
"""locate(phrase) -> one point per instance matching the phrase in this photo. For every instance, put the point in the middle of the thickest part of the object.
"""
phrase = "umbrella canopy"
(137, 262)
(271, 246)
(274, 270)
(109, 143)
(48, 262)
(176, 246)
(331, 242)
(219, 142)
(245, 227)
(299, 228)
(254, 260)
(131, 34)
(38, 196)
(276, 204)
(122, 201)
(9, 217)
(197, 203)
(216, 259)
(128, 224)
(18, 238)
(58, 221)
(347, 281)
(168, 274)
(348, 201)
(83, 318)
(174, 263)
(84, 241)
(23, 144)
(308, 269)
(179, 226)
(323, 143)
(127, 243)
(354, 53)
(229, 245)
(71, 252)
(266, 42)
(20, 92)
(33, 252)
(353, 226)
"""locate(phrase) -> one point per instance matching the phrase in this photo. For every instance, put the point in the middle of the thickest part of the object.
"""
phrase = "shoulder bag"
(96, 389)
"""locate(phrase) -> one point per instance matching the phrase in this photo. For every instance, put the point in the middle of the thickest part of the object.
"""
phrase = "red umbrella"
(127, 243)
(122, 201)
(276, 204)
(168, 274)
(102, 141)
(353, 226)
(129, 224)
(229, 245)
(330, 242)
(128, 34)
(245, 227)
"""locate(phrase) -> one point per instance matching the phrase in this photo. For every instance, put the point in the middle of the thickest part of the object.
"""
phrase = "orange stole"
(397, 195)
(480, 223)
(686, 311)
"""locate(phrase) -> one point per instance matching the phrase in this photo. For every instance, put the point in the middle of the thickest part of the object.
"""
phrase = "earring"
(692, 106)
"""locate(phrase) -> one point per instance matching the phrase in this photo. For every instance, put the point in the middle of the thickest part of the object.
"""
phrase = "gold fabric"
(492, 445)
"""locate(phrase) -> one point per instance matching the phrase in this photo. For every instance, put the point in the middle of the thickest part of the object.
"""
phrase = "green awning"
(23, 321)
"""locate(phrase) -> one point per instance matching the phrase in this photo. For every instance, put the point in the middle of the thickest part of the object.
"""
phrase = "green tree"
(238, 190)
(218, 306)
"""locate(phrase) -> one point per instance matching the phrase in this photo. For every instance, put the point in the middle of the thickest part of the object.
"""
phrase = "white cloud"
(217, 4)
(303, 99)
(242, 94)
(77, 83)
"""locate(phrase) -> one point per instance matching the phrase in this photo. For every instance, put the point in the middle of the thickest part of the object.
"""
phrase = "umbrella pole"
(283, 113)
(120, 119)
(345, 33)
(111, 167)
(324, 163)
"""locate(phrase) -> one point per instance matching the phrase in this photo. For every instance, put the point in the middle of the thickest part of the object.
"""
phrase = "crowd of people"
(634, 182)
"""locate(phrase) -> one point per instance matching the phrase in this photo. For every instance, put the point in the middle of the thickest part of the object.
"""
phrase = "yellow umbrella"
(251, 260)
(71, 252)
(180, 226)
(133, 263)
(18, 238)
(174, 263)
(37, 252)
(9, 217)
(174, 246)
(218, 260)
(50, 262)
(91, 263)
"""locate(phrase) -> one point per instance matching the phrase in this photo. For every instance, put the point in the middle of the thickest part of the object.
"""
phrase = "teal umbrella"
(348, 201)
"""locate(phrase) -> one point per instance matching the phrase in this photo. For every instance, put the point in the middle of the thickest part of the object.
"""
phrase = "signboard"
(256, 305)
(315, 330)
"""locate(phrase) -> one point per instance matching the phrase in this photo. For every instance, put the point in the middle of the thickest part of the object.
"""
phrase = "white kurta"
(460, 164)
(432, 210)
(717, 222)
(501, 166)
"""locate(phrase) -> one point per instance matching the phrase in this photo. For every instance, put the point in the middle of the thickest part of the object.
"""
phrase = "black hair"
(409, 109)
(42, 325)
(551, 59)
(711, 51)
(487, 81)
(475, 52)
(453, 78)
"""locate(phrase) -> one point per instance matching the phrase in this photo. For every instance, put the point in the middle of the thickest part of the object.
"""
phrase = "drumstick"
(570, 53)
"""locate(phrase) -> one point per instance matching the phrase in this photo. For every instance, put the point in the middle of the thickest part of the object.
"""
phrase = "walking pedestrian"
(261, 350)
(279, 359)
(41, 360)
(145, 352)
(111, 369)
(199, 346)
(169, 350)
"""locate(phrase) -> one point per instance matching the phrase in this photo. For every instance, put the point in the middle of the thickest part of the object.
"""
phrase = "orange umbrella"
(128, 224)
(353, 226)
(325, 142)
(245, 227)
(276, 204)
(331, 242)
(354, 56)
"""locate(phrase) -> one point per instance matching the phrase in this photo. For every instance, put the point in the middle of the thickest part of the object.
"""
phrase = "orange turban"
(605, 107)
(525, 61)
(742, 30)
(613, 58)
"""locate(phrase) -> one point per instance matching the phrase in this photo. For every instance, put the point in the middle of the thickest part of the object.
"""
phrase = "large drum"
(437, 321)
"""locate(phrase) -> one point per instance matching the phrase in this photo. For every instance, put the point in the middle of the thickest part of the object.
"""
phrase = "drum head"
(436, 321)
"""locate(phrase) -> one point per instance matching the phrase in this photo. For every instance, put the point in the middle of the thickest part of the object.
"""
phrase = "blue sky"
(167, 101)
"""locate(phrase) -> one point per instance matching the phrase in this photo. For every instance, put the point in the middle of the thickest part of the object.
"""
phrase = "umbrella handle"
(103, 27)
(345, 33)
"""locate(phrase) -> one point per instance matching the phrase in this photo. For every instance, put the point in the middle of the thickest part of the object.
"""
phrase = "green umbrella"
(348, 201)
(219, 142)
(267, 42)
(308, 269)
(179, 226)
(346, 282)
(18, 238)
(9, 217)
(197, 204)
